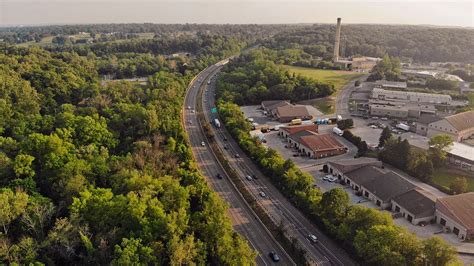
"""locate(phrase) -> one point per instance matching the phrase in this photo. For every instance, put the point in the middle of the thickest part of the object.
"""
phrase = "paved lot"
(253, 111)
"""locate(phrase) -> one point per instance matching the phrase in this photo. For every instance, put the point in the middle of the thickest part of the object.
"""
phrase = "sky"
(416, 12)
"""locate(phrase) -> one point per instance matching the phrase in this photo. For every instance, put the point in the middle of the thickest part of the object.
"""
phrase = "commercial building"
(407, 96)
(423, 121)
(341, 167)
(461, 156)
(320, 146)
(384, 84)
(456, 213)
(286, 113)
(308, 142)
(289, 130)
(399, 109)
(271, 106)
(459, 126)
(416, 205)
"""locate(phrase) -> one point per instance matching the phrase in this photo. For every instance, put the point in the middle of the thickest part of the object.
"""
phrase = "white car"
(203, 144)
(312, 238)
(249, 178)
(332, 179)
(326, 178)
(262, 194)
(192, 111)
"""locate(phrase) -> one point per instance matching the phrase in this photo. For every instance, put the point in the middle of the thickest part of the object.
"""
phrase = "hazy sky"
(442, 12)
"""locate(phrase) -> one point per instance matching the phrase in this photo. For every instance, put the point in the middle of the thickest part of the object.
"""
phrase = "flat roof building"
(399, 109)
(384, 84)
(407, 96)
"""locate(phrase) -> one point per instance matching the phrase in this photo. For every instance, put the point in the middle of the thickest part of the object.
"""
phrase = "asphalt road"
(325, 251)
(244, 220)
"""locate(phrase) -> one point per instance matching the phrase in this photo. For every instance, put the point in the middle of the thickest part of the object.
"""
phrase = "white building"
(459, 126)
(408, 96)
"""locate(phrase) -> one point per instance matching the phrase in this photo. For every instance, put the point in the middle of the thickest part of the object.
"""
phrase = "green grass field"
(337, 77)
(443, 177)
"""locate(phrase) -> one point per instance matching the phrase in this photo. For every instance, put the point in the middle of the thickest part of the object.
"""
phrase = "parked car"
(296, 154)
(312, 238)
(203, 144)
(262, 194)
(274, 256)
(384, 118)
(373, 126)
(326, 178)
(332, 179)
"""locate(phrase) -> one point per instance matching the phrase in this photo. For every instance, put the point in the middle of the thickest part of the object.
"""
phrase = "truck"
(337, 131)
(217, 123)
(295, 122)
(403, 126)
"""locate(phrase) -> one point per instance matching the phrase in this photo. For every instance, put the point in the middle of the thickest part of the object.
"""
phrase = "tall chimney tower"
(338, 40)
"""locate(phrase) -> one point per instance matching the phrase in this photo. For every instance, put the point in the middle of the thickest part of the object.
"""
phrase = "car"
(226, 147)
(332, 179)
(219, 176)
(373, 126)
(225, 138)
(203, 143)
(254, 176)
(274, 256)
(190, 122)
(384, 118)
(192, 111)
(296, 154)
(237, 155)
(375, 117)
(326, 177)
(249, 178)
(312, 238)
(262, 194)
(189, 107)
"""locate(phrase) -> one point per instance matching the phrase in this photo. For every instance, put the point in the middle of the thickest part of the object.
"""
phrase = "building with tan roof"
(459, 126)
(457, 214)
(286, 113)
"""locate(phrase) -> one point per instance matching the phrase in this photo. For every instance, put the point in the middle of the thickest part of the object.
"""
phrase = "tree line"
(370, 235)
(102, 174)
(253, 77)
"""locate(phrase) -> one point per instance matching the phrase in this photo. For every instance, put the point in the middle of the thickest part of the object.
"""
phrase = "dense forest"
(95, 173)
(254, 77)
(422, 44)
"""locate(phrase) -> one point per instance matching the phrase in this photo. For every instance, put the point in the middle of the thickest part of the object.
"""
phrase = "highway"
(244, 220)
(325, 251)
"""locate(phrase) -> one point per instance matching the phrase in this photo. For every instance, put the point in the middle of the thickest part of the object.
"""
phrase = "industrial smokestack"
(338, 40)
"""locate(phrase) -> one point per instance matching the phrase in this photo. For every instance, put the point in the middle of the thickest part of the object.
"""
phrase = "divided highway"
(323, 252)
(244, 220)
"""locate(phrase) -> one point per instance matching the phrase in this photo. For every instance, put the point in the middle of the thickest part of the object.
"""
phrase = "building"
(456, 213)
(286, 113)
(287, 131)
(459, 126)
(461, 156)
(408, 96)
(271, 106)
(319, 146)
(384, 84)
(341, 167)
(355, 63)
(400, 109)
(416, 205)
(423, 121)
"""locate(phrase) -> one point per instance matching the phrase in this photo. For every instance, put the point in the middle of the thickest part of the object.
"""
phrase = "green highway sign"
(213, 110)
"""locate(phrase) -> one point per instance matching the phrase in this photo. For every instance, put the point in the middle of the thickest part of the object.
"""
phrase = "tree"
(133, 252)
(439, 145)
(420, 165)
(12, 205)
(23, 166)
(458, 185)
(437, 252)
(384, 136)
(334, 205)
